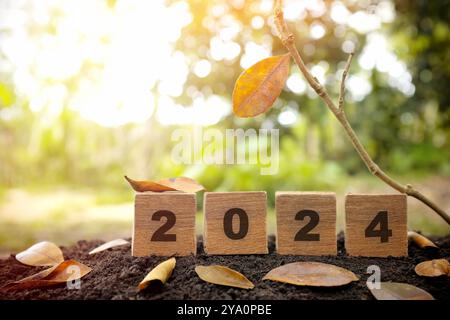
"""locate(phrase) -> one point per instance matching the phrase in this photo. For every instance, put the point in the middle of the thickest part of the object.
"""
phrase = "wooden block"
(376, 225)
(164, 224)
(235, 223)
(306, 223)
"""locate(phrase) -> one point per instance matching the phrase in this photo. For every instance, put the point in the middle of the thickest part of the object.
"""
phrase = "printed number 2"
(303, 234)
(383, 232)
(160, 234)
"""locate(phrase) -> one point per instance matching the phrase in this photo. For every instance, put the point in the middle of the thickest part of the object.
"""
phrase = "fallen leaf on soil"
(420, 240)
(399, 291)
(109, 245)
(65, 271)
(433, 268)
(173, 184)
(223, 276)
(311, 274)
(259, 86)
(160, 273)
(43, 253)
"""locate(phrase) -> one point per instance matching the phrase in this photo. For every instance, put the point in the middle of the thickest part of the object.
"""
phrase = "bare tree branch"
(288, 40)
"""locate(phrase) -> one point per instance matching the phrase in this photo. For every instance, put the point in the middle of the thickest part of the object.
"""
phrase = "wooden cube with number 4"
(376, 225)
(164, 224)
(306, 223)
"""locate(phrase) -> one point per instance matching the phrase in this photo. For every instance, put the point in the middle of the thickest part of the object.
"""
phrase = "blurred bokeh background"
(91, 90)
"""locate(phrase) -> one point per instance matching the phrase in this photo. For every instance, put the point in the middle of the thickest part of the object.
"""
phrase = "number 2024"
(304, 234)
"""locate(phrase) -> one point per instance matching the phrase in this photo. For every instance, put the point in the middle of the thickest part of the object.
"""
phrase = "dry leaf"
(41, 254)
(259, 86)
(161, 273)
(224, 276)
(173, 184)
(182, 184)
(142, 186)
(433, 268)
(311, 274)
(420, 240)
(68, 270)
(109, 245)
(399, 291)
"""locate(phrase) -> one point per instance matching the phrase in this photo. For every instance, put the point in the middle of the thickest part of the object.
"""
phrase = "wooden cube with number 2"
(376, 225)
(306, 223)
(164, 224)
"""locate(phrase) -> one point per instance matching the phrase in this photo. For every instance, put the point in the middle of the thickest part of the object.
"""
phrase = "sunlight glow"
(128, 47)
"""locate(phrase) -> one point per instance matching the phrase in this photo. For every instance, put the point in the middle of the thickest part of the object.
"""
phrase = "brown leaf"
(311, 274)
(433, 268)
(259, 86)
(182, 184)
(57, 274)
(399, 291)
(142, 186)
(43, 253)
(420, 240)
(109, 245)
(173, 184)
(223, 276)
(160, 273)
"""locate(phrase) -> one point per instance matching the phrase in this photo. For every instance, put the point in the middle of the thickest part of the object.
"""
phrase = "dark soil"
(116, 274)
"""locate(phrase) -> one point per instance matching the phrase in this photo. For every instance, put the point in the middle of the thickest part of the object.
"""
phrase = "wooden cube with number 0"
(235, 223)
(164, 224)
(376, 225)
(306, 223)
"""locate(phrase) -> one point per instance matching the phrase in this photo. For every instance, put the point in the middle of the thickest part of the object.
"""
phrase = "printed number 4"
(383, 232)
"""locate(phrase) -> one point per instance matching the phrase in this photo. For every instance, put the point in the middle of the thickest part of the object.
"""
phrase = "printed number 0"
(228, 224)
(384, 232)
(160, 234)
(303, 234)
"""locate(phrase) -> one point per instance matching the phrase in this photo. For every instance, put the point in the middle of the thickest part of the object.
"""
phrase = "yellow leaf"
(420, 240)
(433, 268)
(173, 184)
(399, 291)
(41, 254)
(223, 276)
(160, 273)
(68, 270)
(311, 274)
(259, 86)
(109, 245)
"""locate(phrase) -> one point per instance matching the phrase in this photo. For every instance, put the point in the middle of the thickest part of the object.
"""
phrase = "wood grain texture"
(288, 205)
(183, 205)
(216, 204)
(360, 210)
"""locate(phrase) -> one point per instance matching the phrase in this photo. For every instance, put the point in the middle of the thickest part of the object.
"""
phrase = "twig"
(287, 38)
(344, 76)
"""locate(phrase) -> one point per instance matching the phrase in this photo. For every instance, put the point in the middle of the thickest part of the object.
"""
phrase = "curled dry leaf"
(420, 240)
(68, 270)
(399, 291)
(311, 274)
(223, 276)
(259, 86)
(173, 184)
(43, 253)
(160, 273)
(433, 268)
(109, 245)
